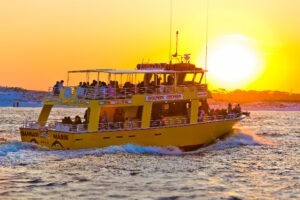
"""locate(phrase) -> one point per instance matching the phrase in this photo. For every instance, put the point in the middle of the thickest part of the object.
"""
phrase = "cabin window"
(189, 77)
(169, 109)
(120, 117)
(198, 78)
(185, 78)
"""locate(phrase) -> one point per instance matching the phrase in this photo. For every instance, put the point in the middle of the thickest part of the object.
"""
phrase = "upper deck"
(149, 82)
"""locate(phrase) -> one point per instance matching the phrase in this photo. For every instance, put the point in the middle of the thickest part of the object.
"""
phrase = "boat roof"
(135, 71)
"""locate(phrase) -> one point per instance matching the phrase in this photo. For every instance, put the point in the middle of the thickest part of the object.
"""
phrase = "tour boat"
(160, 104)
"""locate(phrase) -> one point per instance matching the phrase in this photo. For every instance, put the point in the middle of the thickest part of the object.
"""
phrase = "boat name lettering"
(61, 137)
(201, 94)
(32, 134)
(155, 98)
(174, 96)
(164, 97)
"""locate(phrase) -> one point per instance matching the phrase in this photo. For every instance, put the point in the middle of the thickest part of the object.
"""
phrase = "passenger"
(119, 118)
(162, 121)
(212, 113)
(101, 92)
(229, 109)
(238, 109)
(77, 120)
(56, 89)
(69, 120)
(188, 114)
(103, 121)
(205, 106)
(80, 91)
(170, 80)
(61, 85)
(104, 117)
(94, 83)
(141, 87)
(103, 83)
(110, 91)
(65, 120)
(87, 115)
(201, 113)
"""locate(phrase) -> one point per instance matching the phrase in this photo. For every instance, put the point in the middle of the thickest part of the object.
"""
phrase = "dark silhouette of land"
(246, 96)
(251, 99)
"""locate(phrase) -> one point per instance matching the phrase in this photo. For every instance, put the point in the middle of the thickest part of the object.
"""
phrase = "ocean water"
(260, 160)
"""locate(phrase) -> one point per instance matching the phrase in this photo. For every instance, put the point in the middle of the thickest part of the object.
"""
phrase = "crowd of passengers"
(113, 89)
(77, 120)
(214, 113)
(104, 123)
(119, 117)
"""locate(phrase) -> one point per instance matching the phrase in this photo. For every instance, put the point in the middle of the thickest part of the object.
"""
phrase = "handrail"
(127, 125)
(107, 92)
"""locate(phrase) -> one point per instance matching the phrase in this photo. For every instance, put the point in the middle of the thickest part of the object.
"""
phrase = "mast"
(171, 20)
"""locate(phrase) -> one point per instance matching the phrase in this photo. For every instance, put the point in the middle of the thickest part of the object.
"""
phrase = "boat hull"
(187, 137)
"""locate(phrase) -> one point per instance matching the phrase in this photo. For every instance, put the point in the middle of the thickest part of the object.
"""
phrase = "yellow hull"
(186, 137)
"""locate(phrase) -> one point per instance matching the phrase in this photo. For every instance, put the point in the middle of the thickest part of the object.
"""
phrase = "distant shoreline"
(255, 106)
(249, 100)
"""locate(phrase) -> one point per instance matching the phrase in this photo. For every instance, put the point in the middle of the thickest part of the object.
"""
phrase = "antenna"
(175, 55)
(206, 35)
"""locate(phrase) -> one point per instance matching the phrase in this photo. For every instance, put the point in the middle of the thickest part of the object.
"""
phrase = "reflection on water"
(259, 161)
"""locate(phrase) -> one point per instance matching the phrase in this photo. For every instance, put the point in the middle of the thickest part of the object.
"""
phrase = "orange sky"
(41, 39)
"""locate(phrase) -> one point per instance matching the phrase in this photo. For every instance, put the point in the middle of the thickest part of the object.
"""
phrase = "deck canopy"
(136, 75)
(135, 71)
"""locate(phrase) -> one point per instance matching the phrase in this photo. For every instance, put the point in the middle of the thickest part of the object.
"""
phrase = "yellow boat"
(154, 105)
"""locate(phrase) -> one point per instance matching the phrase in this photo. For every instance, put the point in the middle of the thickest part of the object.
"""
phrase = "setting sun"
(233, 62)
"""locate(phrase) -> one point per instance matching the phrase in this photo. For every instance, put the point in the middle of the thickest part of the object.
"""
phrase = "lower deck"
(184, 136)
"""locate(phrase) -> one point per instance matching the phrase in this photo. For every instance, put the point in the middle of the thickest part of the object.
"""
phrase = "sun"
(233, 62)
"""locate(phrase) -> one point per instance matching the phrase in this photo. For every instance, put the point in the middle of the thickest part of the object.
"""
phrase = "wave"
(19, 153)
(239, 137)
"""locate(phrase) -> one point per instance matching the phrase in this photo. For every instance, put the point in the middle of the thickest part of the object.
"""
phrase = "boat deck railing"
(127, 125)
(106, 92)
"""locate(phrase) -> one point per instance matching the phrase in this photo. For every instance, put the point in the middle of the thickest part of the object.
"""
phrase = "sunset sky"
(252, 44)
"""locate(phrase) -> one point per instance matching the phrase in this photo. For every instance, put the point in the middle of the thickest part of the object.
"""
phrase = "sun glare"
(233, 62)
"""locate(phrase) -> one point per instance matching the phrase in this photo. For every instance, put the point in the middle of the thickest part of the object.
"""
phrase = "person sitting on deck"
(67, 120)
(201, 113)
(77, 120)
(205, 106)
(141, 87)
(94, 83)
(238, 109)
(103, 120)
(119, 118)
(162, 121)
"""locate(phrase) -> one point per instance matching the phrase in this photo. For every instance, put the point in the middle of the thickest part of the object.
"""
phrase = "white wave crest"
(16, 153)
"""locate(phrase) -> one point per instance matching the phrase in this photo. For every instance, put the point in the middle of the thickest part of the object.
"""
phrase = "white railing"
(107, 92)
(127, 125)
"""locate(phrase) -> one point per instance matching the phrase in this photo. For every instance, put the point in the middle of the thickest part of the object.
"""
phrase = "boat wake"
(19, 153)
(239, 137)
